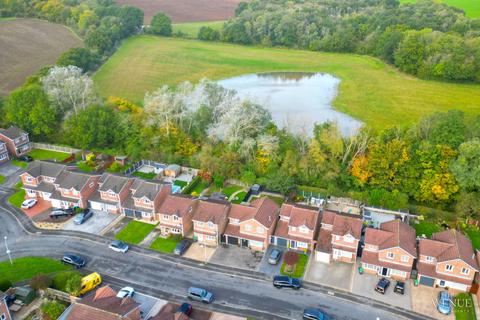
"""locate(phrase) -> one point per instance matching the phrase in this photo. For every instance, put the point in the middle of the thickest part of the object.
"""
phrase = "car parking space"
(39, 208)
(199, 252)
(95, 224)
(271, 269)
(364, 285)
(423, 299)
(237, 257)
(335, 274)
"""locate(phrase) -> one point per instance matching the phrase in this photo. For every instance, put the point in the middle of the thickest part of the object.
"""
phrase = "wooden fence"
(52, 147)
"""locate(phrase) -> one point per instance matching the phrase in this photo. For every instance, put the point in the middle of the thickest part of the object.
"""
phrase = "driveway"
(199, 252)
(114, 229)
(364, 285)
(99, 221)
(271, 269)
(234, 256)
(336, 274)
(423, 298)
(39, 208)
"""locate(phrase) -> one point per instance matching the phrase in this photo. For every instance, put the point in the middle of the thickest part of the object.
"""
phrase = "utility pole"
(8, 251)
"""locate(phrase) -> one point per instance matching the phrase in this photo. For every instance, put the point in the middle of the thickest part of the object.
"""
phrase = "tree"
(468, 205)
(466, 167)
(80, 57)
(208, 34)
(69, 89)
(73, 284)
(411, 52)
(161, 24)
(40, 281)
(132, 19)
(52, 309)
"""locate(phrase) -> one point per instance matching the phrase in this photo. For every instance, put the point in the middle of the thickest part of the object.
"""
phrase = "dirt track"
(186, 10)
(26, 45)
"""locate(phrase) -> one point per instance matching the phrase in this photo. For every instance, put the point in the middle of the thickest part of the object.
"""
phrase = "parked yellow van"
(89, 283)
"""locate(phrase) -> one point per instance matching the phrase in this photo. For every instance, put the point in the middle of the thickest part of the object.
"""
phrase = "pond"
(296, 100)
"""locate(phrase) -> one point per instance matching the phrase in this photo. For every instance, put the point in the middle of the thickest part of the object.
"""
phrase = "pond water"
(296, 100)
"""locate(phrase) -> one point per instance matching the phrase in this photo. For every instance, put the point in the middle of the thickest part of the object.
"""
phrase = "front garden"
(17, 198)
(135, 231)
(294, 264)
(166, 245)
(464, 307)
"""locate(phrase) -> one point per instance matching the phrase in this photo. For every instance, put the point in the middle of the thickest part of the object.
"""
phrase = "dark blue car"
(286, 282)
(181, 247)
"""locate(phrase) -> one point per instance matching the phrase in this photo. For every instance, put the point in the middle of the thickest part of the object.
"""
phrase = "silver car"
(275, 256)
(200, 294)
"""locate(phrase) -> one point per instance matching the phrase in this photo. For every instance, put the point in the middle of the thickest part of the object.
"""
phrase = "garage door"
(282, 242)
(129, 213)
(96, 205)
(426, 281)
(232, 240)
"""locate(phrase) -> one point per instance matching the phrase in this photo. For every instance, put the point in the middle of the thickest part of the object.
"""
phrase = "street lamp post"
(8, 251)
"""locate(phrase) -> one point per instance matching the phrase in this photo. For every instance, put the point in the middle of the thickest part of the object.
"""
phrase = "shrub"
(291, 258)
(52, 309)
(73, 285)
(5, 284)
(61, 278)
(218, 180)
(40, 281)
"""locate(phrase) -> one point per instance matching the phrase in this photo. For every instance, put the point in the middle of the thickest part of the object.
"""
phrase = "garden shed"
(172, 171)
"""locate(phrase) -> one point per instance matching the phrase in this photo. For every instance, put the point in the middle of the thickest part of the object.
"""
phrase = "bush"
(5, 284)
(40, 281)
(218, 181)
(52, 309)
(60, 280)
(208, 34)
(161, 24)
(74, 284)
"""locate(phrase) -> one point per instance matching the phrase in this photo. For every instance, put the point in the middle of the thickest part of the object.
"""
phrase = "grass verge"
(166, 245)
(17, 198)
(20, 164)
(299, 268)
(25, 268)
(135, 231)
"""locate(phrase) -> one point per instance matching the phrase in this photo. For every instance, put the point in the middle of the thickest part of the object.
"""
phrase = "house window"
(449, 267)
(294, 228)
(248, 227)
(348, 238)
(210, 237)
(199, 224)
(211, 225)
(175, 218)
(465, 271)
(28, 179)
(428, 259)
(3, 317)
(390, 255)
(146, 214)
(111, 193)
(303, 230)
(405, 258)
(166, 216)
(260, 229)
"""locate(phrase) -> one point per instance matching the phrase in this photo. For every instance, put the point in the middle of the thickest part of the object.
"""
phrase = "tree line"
(434, 162)
(427, 39)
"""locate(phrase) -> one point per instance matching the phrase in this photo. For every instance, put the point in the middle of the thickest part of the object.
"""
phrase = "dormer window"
(449, 268)
(175, 218)
(390, 255)
(111, 193)
(303, 229)
(348, 238)
(405, 258)
(429, 259)
(166, 216)
(465, 271)
(211, 225)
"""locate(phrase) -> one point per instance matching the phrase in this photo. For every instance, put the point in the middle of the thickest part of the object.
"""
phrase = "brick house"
(3, 152)
(297, 227)
(209, 221)
(103, 304)
(39, 178)
(144, 199)
(390, 250)
(447, 261)
(17, 141)
(338, 238)
(112, 191)
(175, 214)
(72, 189)
(251, 225)
(4, 312)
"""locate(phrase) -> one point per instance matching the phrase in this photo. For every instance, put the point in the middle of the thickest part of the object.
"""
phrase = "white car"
(29, 203)
(119, 246)
(126, 292)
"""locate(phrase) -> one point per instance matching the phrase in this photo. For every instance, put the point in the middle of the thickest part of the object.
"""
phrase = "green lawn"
(42, 154)
(165, 245)
(426, 228)
(17, 198)
(191, 28)
(231, 189)
(25, 268)
(464, 307)
(21, 164)
(180, 183)
(239, 197)
(144, 175)
(135, 232)
(299, 269)
(371, 90)
(474, 234)
(471, 7)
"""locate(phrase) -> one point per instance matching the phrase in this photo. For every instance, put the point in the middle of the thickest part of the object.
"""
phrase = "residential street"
(166, 278)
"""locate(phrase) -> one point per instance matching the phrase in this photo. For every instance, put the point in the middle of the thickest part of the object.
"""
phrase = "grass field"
(370, 90)
(135, 232)
(471, 7)
(27, 45)
(42, 154)
(191, 28)
(25, 268)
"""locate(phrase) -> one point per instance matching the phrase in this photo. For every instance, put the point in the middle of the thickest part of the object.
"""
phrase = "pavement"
(423, 298)
(114, 229)
(336, 274)
(168, 277)
(199, 252)
(11, 173)
(234, 256)
(267, 268)
(95, 224)
(364, 284)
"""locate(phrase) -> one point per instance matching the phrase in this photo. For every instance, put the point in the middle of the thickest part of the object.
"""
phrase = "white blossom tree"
(69, 89)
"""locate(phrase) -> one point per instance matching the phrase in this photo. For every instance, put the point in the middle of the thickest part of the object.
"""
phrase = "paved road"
(169, 278)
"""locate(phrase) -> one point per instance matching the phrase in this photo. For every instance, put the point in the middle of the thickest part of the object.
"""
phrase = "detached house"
(144, 199)
(297, 227)
(209, 221)
(72, 189)
(338, 238)
(40, 177)
(17, 141)
(175, 214)
(390, 250)
(112, 191)
(3, 152)
(447, 260)
(4, 312)
(251, 225)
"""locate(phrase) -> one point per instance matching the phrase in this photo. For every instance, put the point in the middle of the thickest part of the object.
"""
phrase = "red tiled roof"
(300, 215)
(343, 225)
(234, 231)
(429, 270)
(179, 205)
(328, 217)
(281, 231)
(324, 243)
(460, 247)
(263, 210)
(372, 258)
(214, 211)
(392, 234)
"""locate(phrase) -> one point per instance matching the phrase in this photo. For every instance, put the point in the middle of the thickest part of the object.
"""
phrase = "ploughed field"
(370, 90)
(186, 10)
(27, 45)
